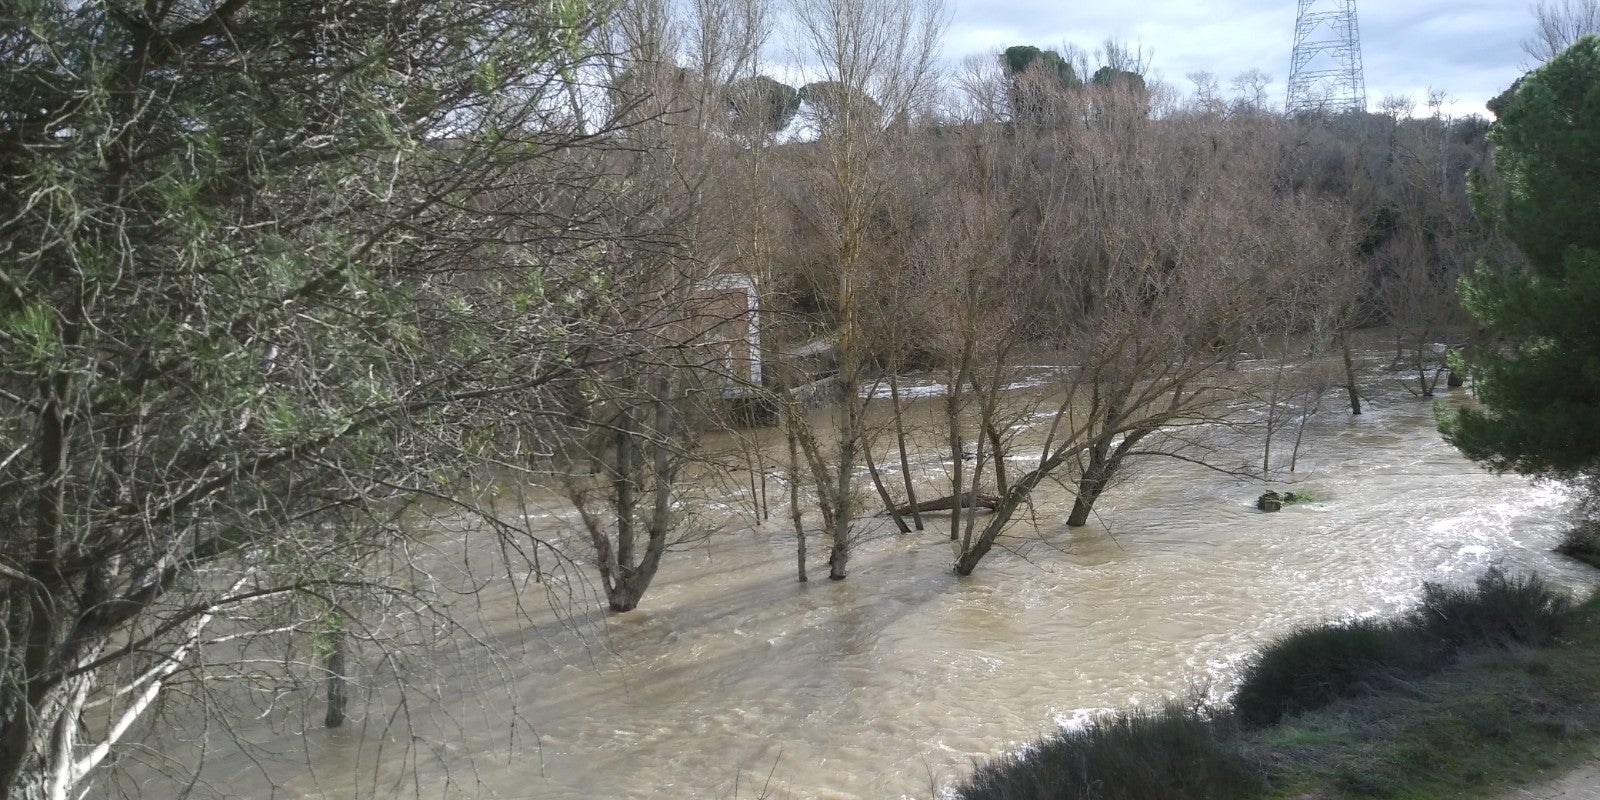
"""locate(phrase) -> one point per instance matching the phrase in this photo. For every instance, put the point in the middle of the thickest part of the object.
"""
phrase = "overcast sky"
(1470, 49)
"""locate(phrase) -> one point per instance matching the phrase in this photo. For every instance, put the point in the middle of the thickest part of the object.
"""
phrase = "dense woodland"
(282, 278)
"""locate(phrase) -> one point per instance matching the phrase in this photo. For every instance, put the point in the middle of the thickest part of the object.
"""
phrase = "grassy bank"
(1472, 691)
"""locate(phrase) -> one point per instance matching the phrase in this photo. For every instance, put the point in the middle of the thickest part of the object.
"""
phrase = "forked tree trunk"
(969, 557)
(1423, 382)
(1090, 485)
(635, 580)
(1104, 462)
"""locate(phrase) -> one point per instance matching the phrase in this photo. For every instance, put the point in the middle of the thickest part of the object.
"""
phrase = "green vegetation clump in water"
(1582, 541)
(1273, 501)
(1472, 690)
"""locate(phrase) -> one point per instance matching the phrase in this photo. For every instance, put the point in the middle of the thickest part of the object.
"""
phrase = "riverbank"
(1501, 713)
(1582, 783)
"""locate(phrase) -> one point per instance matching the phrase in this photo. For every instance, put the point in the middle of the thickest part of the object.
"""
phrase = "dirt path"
(1580, 784)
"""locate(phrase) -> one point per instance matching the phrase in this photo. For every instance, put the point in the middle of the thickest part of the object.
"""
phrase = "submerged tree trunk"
(883, 491)
(638, 579)
(844, 499)
(1090, 484)
(337, 681)
(795, 515)
(1349, 374)
(968, 559)
(977, 479)
(1104, 463)
(815, 465)
(1309, 407)
(624, 579)
(952, 401)
(1423, 382)
(900, 444)
(965, 500)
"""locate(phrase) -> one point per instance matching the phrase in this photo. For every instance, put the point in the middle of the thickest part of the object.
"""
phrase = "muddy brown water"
(733, 680)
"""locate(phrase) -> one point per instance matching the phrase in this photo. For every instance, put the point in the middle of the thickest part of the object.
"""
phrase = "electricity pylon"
(1325, 74)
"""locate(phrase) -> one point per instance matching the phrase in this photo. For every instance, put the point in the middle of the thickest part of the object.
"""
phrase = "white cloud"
(1468, 48)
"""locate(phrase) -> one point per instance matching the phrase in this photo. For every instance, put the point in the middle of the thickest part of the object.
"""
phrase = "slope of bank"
(1582, 783)
(1482, 693)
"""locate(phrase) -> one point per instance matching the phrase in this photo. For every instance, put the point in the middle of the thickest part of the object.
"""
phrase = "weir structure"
(1325, 71)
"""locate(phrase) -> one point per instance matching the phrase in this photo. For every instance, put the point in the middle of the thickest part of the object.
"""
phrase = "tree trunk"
(626, 596)
(337, 681)
(977, 479)
(843, 501)
(1349, 374)
(1090, 485)
(1422, 374)
(795, 515)
(1019, 492)
(635, 580)
(44, 770)
(949, 502)
(990, 404)
(883, 491)
(814, 463)
(900, 444)
(839, 555)
(1310, 407)
(952, 406)
(1104, 462)
(624, 489)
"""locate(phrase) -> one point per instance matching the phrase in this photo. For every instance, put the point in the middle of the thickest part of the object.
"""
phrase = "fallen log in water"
(988, 501)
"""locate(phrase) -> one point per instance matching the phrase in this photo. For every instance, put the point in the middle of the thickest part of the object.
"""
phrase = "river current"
(732, 680)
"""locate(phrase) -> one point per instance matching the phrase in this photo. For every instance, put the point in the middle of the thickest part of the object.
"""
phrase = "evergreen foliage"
(1541, 395)
(832, 103)
(1018, 59)
(763, 103)
(1111, 76)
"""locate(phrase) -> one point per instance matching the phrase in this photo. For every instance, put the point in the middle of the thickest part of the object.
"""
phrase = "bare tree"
(1157, 245)
(1250, 90)
(1432, 238)
(880, 53)
(1559, 23)
(662, 323)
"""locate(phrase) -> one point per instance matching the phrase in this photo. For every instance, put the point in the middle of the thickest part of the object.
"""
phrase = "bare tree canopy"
(1559, 23)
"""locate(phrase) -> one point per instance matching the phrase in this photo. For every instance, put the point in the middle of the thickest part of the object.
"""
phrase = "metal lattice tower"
(1325, 73)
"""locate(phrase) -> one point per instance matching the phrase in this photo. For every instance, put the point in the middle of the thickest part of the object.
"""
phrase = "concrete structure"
(726, 319)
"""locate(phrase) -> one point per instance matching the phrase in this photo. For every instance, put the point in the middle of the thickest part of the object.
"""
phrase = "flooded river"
(733, 680)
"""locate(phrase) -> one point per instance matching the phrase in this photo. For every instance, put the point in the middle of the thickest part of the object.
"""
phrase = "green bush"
(1499, 611)
(1582, 541)
(1178, 753)
(1315, 665)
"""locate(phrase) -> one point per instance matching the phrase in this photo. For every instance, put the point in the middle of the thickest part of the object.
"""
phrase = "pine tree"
(1540, 413)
